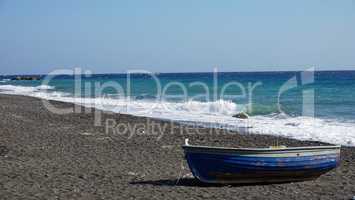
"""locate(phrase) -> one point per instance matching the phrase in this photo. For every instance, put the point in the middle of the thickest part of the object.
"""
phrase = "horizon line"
(192, 72)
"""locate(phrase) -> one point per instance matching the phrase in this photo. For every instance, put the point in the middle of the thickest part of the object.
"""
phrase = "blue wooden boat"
(260, 165)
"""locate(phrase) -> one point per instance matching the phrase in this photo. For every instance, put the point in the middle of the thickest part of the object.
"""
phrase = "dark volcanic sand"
(51, 156)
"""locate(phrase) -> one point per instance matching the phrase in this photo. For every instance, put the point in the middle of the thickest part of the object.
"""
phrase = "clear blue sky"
(176, 36)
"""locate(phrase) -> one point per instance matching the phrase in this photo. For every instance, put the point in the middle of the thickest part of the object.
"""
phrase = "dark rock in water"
(241, 115)
(26, 78)
(292, 124)
(3, 150)
(141, 97)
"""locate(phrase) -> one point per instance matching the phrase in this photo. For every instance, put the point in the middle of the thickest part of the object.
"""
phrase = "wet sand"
(51, 156)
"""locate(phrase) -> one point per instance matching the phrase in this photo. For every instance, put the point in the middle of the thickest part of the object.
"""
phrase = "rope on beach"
(180, 173)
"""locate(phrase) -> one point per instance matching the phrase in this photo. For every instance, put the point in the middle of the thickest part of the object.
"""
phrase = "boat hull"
(223, 165)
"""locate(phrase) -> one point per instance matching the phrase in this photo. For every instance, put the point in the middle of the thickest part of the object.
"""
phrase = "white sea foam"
(215, 114)
(4, 80)
(26, 89)
(16, 89)
(45, 87)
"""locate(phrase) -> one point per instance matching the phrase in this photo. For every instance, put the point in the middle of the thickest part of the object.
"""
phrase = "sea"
(308, 105)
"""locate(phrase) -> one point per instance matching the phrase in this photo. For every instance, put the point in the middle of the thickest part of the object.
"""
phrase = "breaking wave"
(18, 89)
(210, 114)
(4, 80)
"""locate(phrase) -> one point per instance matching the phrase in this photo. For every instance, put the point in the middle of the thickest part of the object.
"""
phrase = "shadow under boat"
(189, 182)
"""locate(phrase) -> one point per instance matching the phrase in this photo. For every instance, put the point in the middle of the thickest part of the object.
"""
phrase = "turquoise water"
(334, 92)
(205, 98)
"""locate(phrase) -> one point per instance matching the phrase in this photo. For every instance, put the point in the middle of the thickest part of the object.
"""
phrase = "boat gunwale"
(307, 148)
